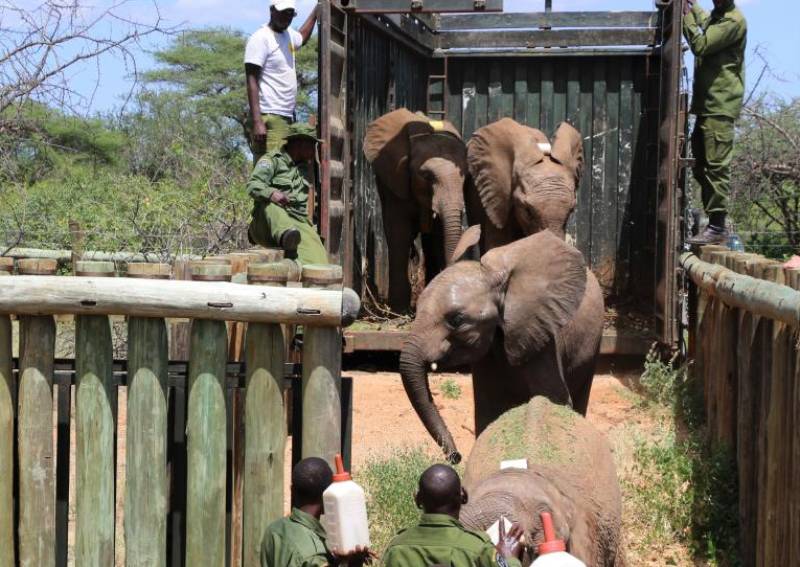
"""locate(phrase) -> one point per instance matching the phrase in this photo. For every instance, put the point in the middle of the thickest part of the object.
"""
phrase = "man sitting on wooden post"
(299, 540)
(280, 192)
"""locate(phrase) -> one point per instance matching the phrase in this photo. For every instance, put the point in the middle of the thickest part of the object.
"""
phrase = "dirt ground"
(384, 421)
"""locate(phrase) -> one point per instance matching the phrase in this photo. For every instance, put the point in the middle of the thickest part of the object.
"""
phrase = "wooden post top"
(37, 267)
(94, 269)
(272, 274)
(267, 255)
(6, 265)
(326, 276)
(210, 271)
(144, 270)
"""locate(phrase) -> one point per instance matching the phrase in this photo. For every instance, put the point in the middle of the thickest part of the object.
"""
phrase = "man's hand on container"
(510, 544)
(355, 558)
(260, 136)
(279, 198)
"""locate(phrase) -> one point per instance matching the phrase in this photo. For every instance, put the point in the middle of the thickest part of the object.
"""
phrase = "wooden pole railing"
(203, 531)
(744, 338)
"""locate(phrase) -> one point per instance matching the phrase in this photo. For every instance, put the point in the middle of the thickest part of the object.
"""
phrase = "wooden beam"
(510, 52)
(547, 38)
(221, 301)
(462, 22)
(413, 37)
(423, 6)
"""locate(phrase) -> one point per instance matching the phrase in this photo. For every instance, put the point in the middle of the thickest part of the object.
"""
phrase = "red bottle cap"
(550, 544)
(340, 475)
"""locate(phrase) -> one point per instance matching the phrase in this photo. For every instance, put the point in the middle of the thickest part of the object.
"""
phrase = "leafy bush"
(450, 389)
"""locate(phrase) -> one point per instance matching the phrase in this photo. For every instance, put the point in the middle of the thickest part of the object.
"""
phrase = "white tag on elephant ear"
(437, 125)
(545, 148)
(514, 464)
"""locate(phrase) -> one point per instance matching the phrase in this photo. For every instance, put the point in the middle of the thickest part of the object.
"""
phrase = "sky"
(772, 28)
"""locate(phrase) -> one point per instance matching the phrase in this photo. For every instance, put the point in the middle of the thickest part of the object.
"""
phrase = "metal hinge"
(480, 4)
(416, 5)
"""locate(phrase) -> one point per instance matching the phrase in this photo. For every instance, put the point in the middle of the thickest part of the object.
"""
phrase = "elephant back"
(551, 438)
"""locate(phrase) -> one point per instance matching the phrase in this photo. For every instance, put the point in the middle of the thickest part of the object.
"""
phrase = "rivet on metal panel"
(416, 5)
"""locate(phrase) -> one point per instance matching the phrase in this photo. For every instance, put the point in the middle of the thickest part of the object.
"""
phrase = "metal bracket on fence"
(416, 5)
(480, 4)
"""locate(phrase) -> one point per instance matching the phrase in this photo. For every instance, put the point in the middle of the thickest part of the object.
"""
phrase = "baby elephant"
(570, 473)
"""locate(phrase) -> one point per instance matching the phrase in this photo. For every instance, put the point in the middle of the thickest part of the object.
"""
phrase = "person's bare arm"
(252, 73)
(308, 26)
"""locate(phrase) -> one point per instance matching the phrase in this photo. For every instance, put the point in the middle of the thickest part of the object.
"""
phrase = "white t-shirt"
(274, 53)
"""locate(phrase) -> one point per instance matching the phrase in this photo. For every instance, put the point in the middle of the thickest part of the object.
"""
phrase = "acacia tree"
(207, 67)
(765, 193)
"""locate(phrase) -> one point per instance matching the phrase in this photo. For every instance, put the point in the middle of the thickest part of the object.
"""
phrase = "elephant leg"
(497, 388)
(545, 376)
(432, 250)
(580, 384)
(400, 229)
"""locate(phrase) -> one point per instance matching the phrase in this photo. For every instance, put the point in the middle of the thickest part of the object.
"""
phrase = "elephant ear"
(387, 147)
(470, 238)
(494, 153)
(567, 149)
(545, 281)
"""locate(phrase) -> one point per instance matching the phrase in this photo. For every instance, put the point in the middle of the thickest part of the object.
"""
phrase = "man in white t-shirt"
(269, 63)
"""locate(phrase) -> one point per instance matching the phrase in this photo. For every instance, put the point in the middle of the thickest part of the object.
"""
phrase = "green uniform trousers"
(269, 223)
(712, 146)
(277, 130)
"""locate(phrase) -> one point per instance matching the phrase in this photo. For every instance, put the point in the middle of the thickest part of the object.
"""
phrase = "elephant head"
(421, 159)
(522, 293)
(518, 171)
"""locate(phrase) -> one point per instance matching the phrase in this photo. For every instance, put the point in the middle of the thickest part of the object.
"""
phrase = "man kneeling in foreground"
(439, 538)
(299, 540)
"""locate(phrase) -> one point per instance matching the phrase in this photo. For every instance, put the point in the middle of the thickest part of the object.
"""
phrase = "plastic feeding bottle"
(345, 518)
(553, 552)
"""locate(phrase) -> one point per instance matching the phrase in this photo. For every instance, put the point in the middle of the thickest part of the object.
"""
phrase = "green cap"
(302, 130)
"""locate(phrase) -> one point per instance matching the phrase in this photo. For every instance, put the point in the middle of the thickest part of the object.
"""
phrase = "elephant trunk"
(413, 369)
(451, 221)
(448, 203)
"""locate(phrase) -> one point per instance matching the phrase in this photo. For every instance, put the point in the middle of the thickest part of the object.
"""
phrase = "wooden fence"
(744, 323)
(179, 470)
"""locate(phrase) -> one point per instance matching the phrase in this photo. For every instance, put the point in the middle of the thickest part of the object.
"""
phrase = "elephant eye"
(455, 320)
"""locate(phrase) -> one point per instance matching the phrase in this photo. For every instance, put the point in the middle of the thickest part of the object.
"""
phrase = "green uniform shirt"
(718, 41)
(276, 171)
(296, 541)
(441, 539)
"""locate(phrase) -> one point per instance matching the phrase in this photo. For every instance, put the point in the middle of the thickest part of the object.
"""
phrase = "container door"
(334, 203)
(672, 126)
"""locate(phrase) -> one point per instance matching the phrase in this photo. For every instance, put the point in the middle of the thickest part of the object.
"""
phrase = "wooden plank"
(548, 20)
(454, 97)
(146, 493)
(610, 169)
(64, 393)
(559, 99)
(521, 92)
(534, 106)
(507, 92)
(205, 444)
(583, 220)
(602, 257)
(265, 438)
(35, 441)
(546, 121)
(95, 422)
(624, 168)
(547, 38)
(573, 117)
(495, 93)
(7, 399)
(482, 99)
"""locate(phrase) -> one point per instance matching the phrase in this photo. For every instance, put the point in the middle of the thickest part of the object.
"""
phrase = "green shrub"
(450, 389)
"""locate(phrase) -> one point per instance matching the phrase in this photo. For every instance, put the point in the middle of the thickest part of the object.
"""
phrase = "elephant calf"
(570, 474)
(528, 318)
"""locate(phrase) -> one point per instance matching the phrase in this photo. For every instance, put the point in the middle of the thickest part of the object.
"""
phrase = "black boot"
(711, 235)
(290, 240)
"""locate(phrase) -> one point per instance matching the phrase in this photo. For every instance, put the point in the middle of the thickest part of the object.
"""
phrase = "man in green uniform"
(299, 540)
(440, 539)
(718, 42)
(280, 192)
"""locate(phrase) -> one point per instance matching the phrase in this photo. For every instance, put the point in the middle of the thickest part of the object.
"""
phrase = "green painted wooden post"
(265, 423)
(35, 431)
(146, 444)
(94, 432)
(7, 391)
(322, 361)
(206, 433)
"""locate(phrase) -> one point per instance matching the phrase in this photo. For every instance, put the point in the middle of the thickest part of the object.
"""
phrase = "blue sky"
(772, 29)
